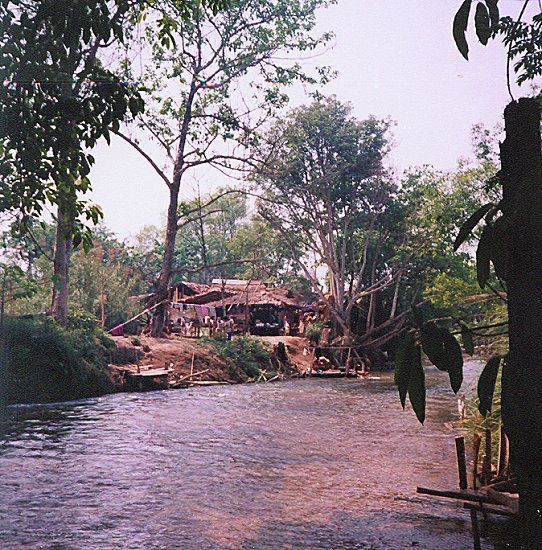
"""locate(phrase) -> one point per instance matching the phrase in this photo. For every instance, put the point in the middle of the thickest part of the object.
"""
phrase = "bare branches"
(199, 269)
(145, 155)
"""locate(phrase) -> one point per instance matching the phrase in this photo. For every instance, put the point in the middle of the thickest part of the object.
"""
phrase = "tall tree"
(325, 184)
(213, 91)
(57, 101)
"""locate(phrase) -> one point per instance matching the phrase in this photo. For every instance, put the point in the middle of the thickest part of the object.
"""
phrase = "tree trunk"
(61, 269)
(521, 177)
(162, 287)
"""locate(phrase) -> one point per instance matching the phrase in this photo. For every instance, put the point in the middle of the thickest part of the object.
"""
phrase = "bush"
(243, 354)
(41, 361)
(314, 331)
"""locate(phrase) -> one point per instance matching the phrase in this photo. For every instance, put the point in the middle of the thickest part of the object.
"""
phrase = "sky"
(396, 59)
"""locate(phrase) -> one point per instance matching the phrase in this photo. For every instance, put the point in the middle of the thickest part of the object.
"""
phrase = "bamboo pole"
(502, 463)
(476, 441)
(475, 530)
(486, 465)
(461, 462)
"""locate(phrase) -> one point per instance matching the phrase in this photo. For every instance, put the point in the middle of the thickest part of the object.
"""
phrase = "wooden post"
(476, 441)
(346, 370)
(461, 462)
(192, 364)
(475, 530)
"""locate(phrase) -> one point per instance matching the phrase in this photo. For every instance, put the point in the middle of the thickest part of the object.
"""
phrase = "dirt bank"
(199, 358)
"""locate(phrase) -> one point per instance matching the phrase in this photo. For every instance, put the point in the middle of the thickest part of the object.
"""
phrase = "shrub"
(243, 354)
(314, 331)
(42, 362)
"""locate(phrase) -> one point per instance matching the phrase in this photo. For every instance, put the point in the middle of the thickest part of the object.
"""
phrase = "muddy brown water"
(302, 464)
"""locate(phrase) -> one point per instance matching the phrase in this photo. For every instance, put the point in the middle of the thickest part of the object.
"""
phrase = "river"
(301, 464)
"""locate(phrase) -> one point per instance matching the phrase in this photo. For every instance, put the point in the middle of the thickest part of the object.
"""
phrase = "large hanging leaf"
(467, 339)
(444, 352)
(483, 256)
(471, 223)
(404, 359)
(486, 384)
(494, 15)
(416, 386)
(481, 20)
(461, 21)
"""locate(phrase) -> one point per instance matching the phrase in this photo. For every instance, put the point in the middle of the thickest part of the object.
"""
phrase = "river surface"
(303, 464)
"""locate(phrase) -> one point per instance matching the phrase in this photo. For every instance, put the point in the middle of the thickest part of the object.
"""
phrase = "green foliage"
(243, 354)
(59, 101)
(43, 362)
(314, 331)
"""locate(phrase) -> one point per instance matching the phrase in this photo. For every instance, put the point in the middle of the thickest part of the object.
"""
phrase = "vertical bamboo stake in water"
(475, 530)
(503, 453)
(486, 466)
(476, 441)
(461, 462)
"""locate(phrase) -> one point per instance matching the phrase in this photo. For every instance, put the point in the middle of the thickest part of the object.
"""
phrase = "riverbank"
(208, 360)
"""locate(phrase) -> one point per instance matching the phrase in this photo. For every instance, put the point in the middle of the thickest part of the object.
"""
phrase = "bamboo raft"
(492, 491)
(334, 374)
(147, 378)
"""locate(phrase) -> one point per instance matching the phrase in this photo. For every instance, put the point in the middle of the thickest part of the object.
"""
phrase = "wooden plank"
(469, 495)
(498, 510)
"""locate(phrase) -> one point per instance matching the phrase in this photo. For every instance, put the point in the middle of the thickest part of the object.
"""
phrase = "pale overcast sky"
(395, 58)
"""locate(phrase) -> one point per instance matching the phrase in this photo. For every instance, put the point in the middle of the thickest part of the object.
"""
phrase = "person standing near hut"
(229, 327)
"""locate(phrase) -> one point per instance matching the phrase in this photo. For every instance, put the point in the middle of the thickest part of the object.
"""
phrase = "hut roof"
(258, 293)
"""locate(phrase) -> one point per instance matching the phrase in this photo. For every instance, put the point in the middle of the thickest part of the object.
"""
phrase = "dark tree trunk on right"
(521, 177)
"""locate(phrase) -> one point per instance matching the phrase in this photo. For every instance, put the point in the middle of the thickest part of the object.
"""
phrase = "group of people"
(192, 328)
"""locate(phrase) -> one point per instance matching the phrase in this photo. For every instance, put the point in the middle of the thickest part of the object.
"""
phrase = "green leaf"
(443, 350)
(470, 224)
(486, 384)
(467, 339)
(461, 21)
(416, 385)
(484, 253)
(493, 13)
(404, 359)
(481, 20)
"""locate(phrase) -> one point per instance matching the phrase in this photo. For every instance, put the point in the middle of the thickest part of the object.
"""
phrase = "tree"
(325, 185)
(57, 101)
(193, 117)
